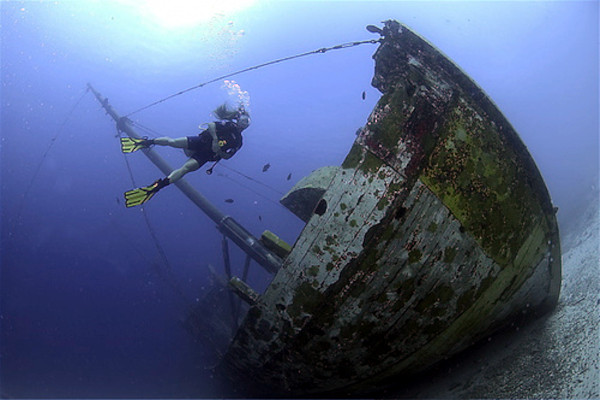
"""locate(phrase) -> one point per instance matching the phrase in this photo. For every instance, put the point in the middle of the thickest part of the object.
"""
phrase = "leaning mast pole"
(226, 224)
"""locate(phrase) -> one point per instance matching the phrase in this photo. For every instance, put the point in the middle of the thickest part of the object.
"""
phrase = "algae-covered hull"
(436, 230)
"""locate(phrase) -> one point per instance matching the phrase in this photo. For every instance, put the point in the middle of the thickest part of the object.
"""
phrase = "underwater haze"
(93, 294)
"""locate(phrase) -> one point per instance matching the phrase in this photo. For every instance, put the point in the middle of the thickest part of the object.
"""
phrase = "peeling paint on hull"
(436, 231)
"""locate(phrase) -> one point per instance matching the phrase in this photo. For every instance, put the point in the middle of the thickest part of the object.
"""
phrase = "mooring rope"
(52, 141)
(318, 51)
(167, 273)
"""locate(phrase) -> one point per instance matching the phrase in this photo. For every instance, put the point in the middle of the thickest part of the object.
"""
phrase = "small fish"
(259, 218)
(364, 95)
(266, 167)
(289, 177)
(229, 201)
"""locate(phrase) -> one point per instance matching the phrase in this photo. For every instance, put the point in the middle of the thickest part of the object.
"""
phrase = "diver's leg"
(189, 166)
(179, 143)
(141, 195)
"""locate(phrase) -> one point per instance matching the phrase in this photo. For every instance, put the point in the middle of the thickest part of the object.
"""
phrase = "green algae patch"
(306, 300)
(317, 250)
(389, 128)
(449, 254)
(439, 296)
(432, 227)
(414, 256)
(370, 164)
(485, 183)
(382, 203)
(354, 156)
(331, 240)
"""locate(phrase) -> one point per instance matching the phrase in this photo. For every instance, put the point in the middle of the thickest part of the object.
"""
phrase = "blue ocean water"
(87, 309)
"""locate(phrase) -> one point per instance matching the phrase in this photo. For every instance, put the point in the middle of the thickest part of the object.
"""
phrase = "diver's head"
(239, 115)
(226, 112)
(243, 118)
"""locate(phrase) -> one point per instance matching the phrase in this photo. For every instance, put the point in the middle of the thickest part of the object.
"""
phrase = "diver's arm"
(212, 129)
(215, 146)
(237, 144)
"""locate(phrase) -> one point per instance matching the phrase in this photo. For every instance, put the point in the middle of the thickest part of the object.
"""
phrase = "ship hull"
(436, 230)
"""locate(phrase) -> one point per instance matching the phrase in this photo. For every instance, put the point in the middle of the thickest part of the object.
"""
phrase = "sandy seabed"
(556, 356)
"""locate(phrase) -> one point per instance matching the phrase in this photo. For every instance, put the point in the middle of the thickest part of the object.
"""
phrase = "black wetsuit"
(201, 145)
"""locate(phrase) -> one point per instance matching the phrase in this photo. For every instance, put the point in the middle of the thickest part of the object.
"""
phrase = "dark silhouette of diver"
(221, 140)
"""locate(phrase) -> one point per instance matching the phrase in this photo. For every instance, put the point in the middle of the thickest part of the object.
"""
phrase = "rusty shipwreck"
(435, 231)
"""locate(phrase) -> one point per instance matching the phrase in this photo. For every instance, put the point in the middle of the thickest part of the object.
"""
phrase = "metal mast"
(226, 224)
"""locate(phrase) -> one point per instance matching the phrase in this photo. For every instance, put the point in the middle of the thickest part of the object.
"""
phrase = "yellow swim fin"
(129, 144)
(139, 196)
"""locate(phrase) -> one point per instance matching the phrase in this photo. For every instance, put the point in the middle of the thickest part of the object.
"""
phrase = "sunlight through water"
(188, 13)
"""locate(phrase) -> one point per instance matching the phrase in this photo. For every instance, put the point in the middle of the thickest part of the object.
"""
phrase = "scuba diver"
(221, 140)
